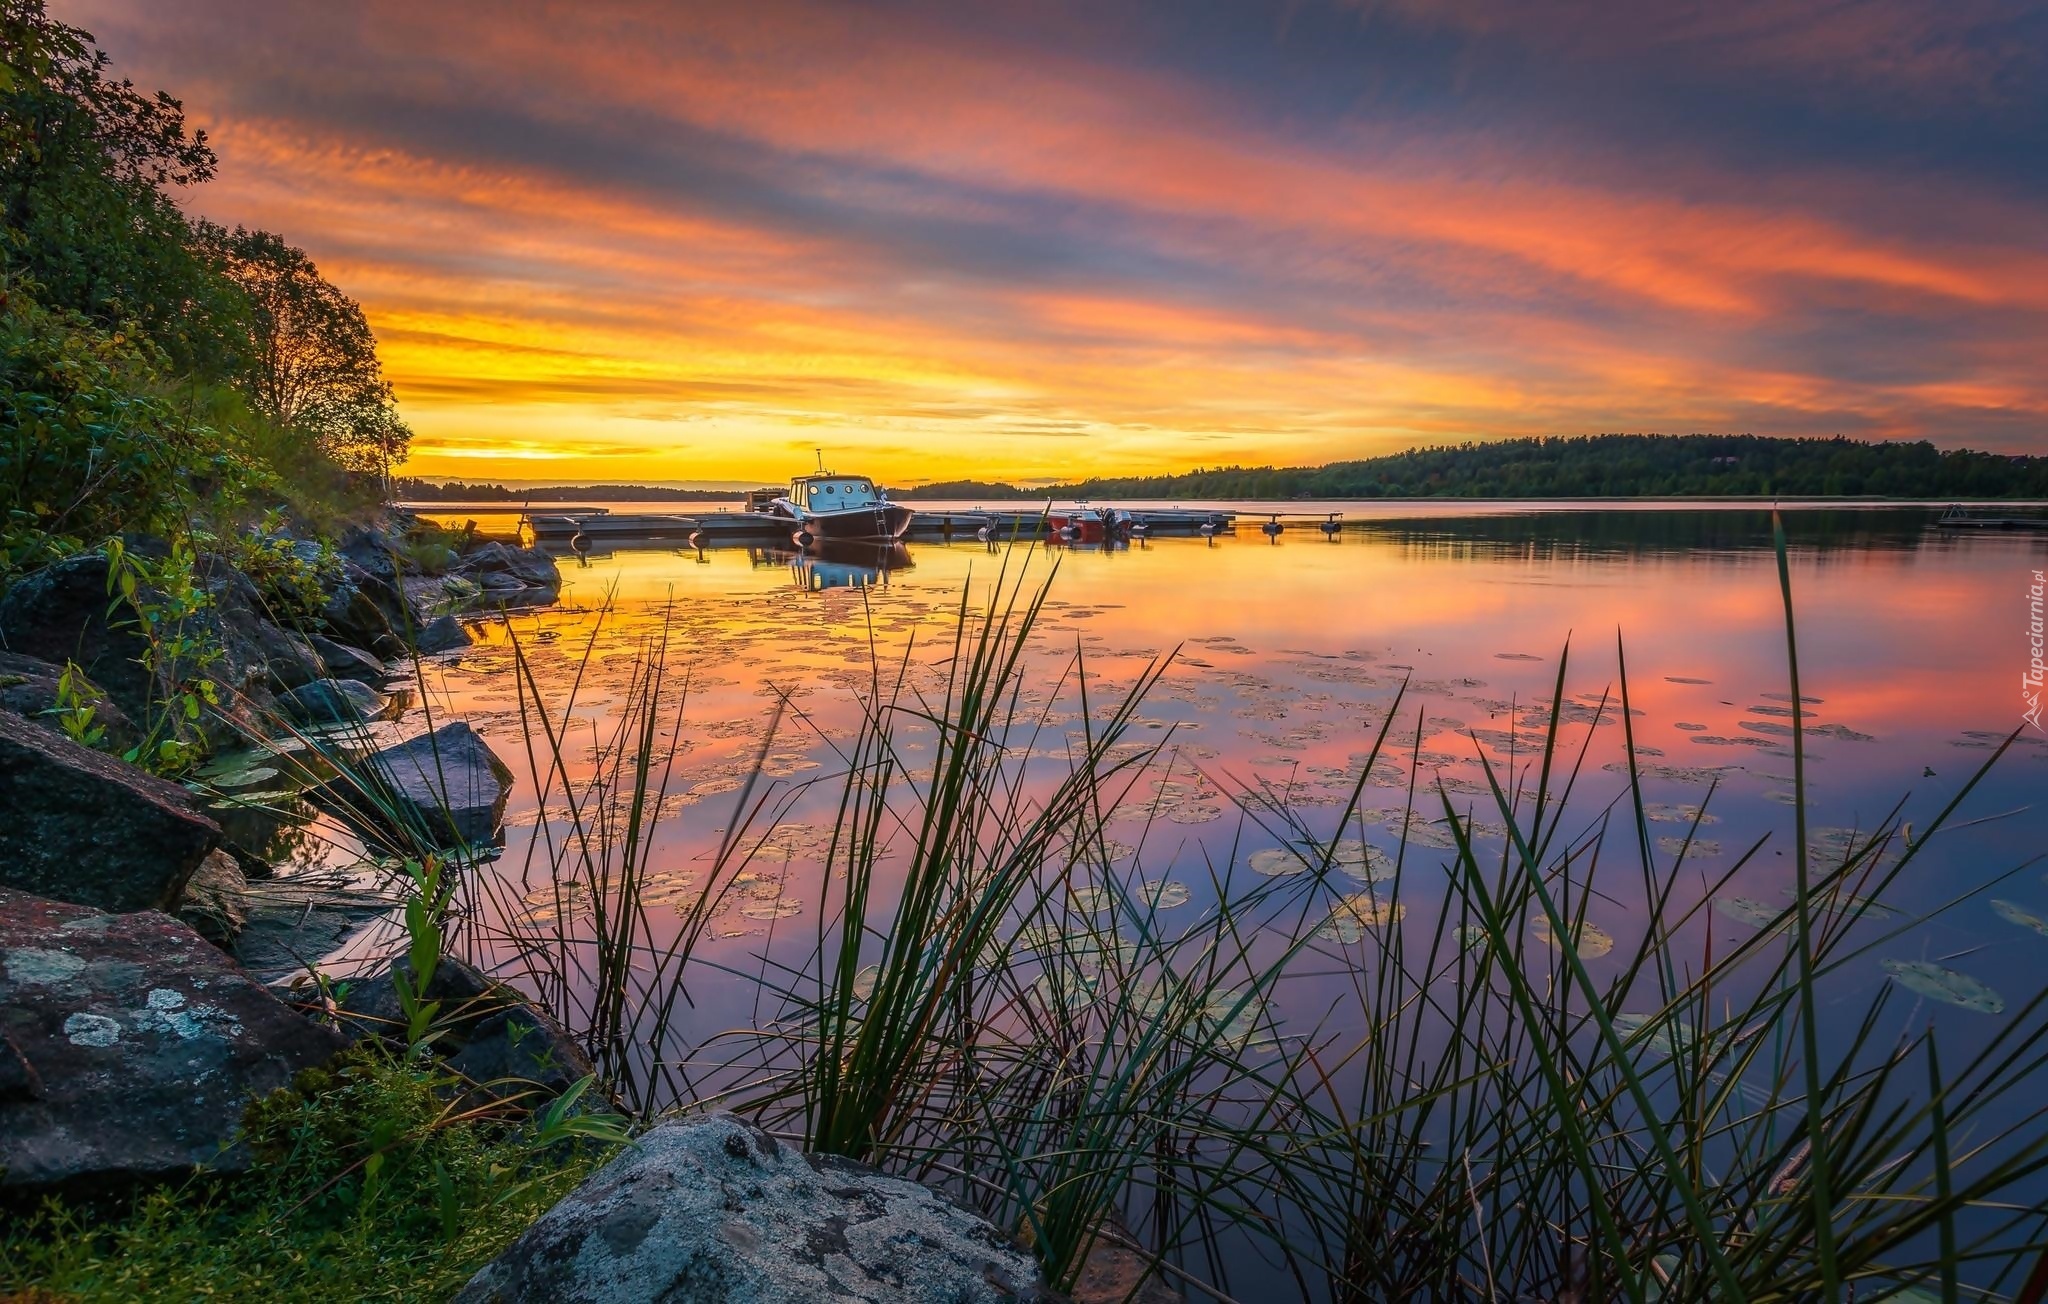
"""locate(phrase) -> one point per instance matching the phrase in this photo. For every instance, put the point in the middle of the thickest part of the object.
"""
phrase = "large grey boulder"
(59, 614)
(344, 662)
(366, 610)
(442, 634)
(62, 613)
(288, 657)
(447, 787)
(500, 566)
(85, 827)
(711, 1210)
(333, 701)
(129, 1047)
(504, 1044)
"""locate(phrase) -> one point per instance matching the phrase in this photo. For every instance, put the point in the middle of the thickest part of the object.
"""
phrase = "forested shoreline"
(1590, 466)
(160, 374)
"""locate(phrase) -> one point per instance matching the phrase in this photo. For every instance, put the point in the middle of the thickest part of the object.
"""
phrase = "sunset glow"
(692, 242)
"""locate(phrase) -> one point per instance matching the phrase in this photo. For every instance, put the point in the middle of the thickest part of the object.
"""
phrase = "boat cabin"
(832, 493)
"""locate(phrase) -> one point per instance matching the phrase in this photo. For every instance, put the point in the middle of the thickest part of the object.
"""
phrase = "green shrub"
(94, 440)
(367, 1185)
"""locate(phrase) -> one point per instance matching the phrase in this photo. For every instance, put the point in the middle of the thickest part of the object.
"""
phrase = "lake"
(1280, 660)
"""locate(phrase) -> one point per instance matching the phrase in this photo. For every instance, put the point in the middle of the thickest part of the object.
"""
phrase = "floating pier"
(711, 529)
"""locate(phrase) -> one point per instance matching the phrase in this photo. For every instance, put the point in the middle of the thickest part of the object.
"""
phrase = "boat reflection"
(836, 564)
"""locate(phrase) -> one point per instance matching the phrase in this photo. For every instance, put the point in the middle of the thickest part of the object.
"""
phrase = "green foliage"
(159, 375)
(87, 164)
(95, 440)
(424, 906)
(367, 1184)
(293, 586)
(1592, 466)
(168, 607)
(77, 703)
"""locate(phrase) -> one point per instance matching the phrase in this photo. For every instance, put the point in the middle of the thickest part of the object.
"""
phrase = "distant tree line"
(411, 489)
(157, 372)
(1592, 466)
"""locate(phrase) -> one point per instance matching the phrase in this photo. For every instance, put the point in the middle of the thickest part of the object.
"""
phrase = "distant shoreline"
(1591, 468)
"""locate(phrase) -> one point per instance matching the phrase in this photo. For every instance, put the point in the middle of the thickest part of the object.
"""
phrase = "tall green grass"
(1491, 1108)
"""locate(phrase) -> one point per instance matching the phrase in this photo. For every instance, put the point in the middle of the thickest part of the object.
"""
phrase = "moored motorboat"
(828, 506)
(1082, 523)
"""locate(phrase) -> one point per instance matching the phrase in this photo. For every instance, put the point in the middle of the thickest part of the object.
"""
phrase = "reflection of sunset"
(956, 242)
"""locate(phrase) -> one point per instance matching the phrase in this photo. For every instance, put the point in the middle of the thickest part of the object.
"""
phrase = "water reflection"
(835, 564)
(1286, 662)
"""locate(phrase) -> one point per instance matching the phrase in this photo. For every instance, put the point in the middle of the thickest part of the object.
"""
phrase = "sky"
(692, 242)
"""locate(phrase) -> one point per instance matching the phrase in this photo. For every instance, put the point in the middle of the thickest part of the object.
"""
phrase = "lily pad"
(2014, 913)
(1748, 910)
(1937, 983)
(1593, 941)
(1163, 894)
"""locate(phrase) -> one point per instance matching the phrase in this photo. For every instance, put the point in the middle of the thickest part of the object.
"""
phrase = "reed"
(994, 1001)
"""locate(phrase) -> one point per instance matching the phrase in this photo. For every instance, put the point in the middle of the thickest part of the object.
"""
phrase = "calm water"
(1285, 656)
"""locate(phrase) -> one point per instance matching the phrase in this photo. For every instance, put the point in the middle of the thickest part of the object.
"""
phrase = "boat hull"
(883, 521)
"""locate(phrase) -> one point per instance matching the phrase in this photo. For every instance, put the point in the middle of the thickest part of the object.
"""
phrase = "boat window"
(831, 488)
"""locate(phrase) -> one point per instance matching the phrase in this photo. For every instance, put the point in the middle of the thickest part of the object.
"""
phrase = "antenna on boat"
(821, 460)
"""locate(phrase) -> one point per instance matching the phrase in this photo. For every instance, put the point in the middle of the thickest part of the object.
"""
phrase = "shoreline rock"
(503, 1043)
(131, 1048)
(91, 829)
(709, 1208)
(447, 787)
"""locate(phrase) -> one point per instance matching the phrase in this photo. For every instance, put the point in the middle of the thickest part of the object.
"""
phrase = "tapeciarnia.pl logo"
(2030, 682)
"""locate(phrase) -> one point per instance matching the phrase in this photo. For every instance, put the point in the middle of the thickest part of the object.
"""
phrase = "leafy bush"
(96, 440)
(368, 1184)
(292, 575)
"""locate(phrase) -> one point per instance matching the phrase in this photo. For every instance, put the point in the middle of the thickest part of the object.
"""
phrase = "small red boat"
(1084, 524)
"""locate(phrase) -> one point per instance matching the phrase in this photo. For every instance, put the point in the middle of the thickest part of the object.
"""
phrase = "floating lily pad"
(1672, 846)
(1162, 894)
(1593, 941)
(1091, 900)
(2014, 913)
(1937, 983)
(1748, 910)
(1853, 905)
(1668, 812)
(1356, 914)
(1278, 862)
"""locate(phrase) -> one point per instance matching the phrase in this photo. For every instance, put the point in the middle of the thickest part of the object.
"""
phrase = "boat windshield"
(820, 493)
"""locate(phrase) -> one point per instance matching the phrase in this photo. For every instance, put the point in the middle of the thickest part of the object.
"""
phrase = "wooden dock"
(714, 529)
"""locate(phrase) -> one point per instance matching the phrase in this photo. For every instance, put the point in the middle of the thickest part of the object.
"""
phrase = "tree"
(310, 362)
(86, 167)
